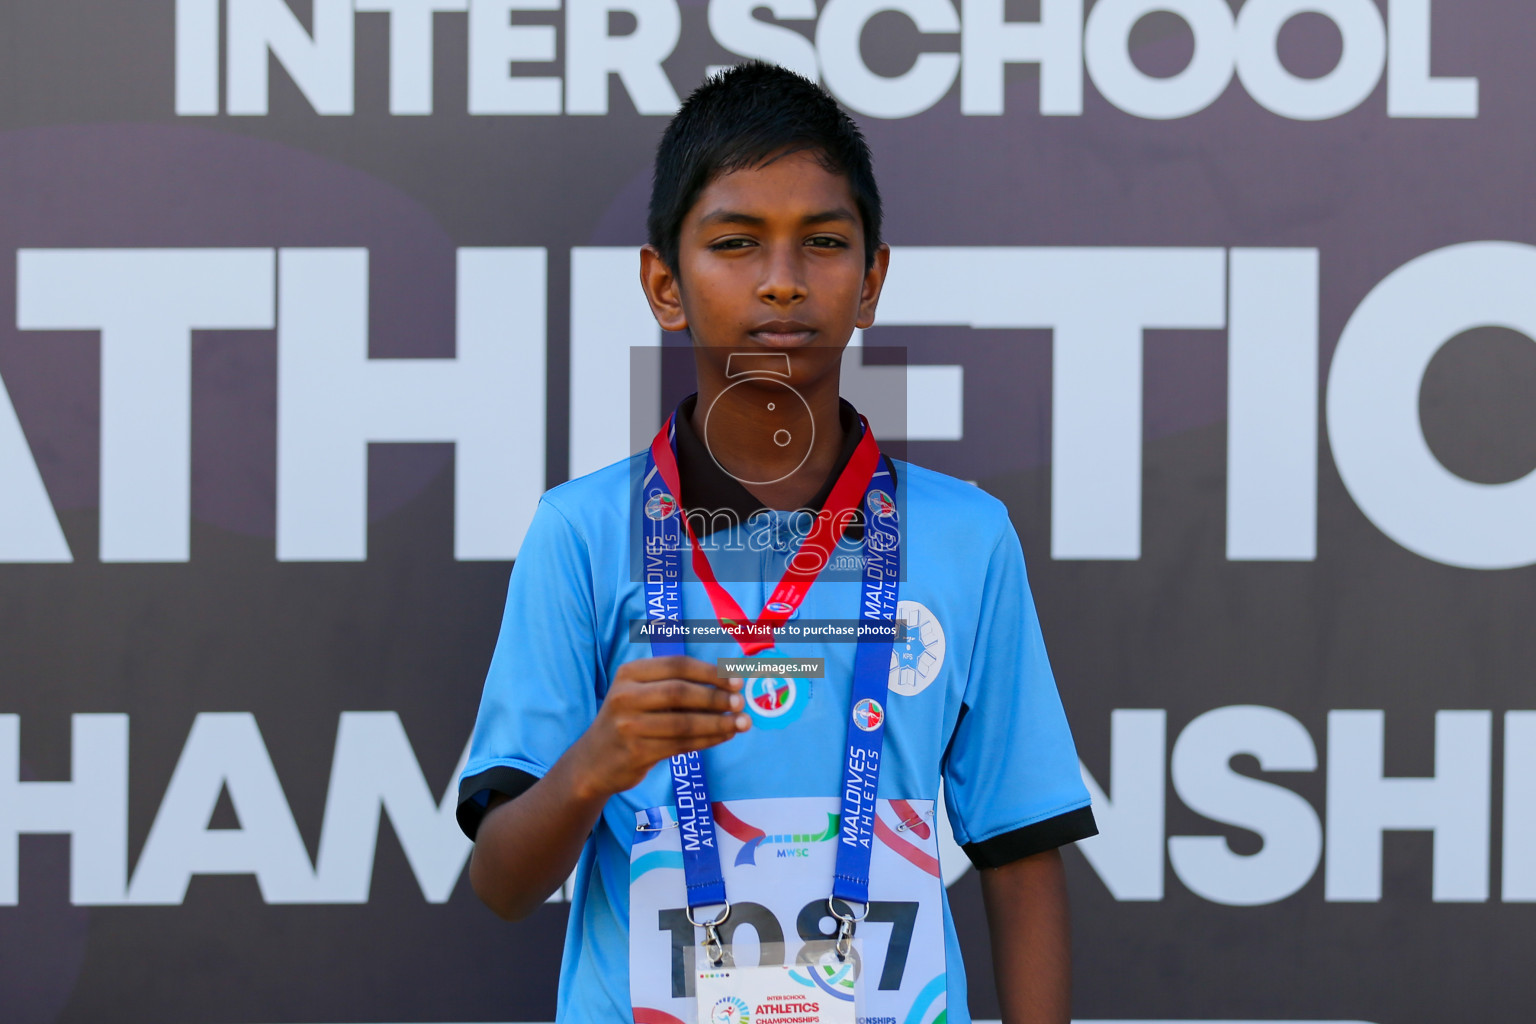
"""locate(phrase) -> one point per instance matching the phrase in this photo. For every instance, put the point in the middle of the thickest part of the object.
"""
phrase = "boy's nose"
(783, 278)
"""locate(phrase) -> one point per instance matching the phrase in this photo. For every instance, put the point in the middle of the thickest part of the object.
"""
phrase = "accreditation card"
(803, 994)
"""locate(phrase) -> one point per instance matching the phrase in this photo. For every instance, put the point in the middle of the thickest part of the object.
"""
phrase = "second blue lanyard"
(664, 541)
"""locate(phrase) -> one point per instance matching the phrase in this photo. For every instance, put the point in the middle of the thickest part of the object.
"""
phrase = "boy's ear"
(874, 280)
(661, 290)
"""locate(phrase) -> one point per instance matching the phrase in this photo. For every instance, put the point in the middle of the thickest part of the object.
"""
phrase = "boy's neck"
(737, 439)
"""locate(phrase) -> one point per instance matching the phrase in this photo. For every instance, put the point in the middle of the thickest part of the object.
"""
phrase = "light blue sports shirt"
(972, 702)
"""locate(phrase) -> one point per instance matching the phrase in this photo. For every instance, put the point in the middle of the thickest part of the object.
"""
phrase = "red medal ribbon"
(805, 564)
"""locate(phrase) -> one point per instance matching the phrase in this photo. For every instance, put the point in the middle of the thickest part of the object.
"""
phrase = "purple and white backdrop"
(305, 302)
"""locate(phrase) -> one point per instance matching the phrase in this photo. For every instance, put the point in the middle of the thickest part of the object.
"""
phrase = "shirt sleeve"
(541, 691)
(1011, 777)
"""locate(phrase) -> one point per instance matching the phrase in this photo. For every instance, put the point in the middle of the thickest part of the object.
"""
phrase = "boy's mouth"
(782, 333)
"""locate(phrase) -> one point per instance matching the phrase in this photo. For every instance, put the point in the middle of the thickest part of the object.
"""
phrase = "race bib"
(778, 855)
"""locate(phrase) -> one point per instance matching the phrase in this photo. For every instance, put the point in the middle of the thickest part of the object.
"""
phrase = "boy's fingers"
(699, 744)
(680, 666)
(682, 694)
(688, 725)
(671, 666)
(682, 746)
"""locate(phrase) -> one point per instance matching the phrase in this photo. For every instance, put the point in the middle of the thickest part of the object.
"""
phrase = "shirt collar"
(716, 498)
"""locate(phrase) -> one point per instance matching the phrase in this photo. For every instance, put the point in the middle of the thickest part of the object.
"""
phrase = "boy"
(765, 245)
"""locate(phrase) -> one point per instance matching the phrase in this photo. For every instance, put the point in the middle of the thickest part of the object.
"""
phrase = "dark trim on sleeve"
(475, 793)
(1032, 839)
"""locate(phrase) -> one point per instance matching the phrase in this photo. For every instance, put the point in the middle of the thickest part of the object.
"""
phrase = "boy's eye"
(815, 241)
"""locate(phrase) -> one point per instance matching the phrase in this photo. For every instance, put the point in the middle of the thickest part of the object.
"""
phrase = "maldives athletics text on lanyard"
(864, 479)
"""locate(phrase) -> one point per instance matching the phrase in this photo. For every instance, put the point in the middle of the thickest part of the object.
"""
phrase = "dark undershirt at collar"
(714, 498)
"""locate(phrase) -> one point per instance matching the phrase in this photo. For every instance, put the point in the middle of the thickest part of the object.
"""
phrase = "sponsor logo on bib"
(835, 979)
(790, 844)
(868, 714)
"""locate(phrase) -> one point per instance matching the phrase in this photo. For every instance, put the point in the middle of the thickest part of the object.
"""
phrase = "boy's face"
(770, 259)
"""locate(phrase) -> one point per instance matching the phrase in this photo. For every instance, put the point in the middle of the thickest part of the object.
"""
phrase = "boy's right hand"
(657, 707)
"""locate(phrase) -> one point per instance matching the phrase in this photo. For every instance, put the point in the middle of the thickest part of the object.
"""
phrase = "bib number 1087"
(814, 924)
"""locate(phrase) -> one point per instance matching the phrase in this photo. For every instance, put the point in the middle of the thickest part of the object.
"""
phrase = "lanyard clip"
(714, 949)
(845, 925)
(844, 939)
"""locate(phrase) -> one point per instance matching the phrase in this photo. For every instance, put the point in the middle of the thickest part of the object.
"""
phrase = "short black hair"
(740, 118)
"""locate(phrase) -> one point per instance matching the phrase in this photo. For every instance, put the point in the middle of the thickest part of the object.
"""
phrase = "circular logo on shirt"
(868, 715)
(660, 505)
(730, 1010)
(882, 504)
(915, 662)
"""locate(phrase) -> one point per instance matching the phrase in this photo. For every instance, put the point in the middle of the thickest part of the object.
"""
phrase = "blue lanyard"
(664, 540)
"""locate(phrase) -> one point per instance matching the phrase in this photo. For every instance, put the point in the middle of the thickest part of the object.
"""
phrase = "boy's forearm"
(655, 708)
(1027, 917)
(526, 847)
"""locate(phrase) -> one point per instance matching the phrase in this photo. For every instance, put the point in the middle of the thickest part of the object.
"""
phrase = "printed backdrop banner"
(307, 301)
